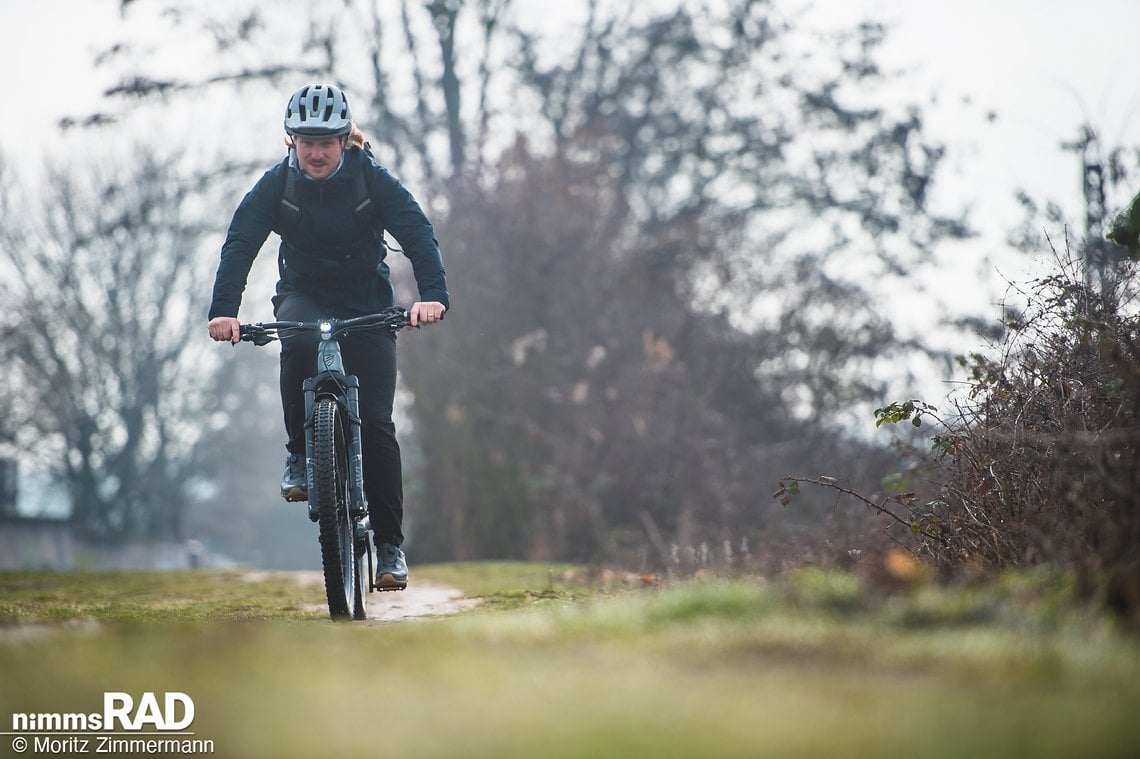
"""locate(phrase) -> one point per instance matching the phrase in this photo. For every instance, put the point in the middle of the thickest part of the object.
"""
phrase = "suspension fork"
(357, 502)
(330, 366)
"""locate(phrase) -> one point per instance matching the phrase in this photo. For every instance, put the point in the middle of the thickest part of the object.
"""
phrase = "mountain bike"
(333, 468)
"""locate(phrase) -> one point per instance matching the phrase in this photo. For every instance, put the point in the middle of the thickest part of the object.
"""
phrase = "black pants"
(370, 355)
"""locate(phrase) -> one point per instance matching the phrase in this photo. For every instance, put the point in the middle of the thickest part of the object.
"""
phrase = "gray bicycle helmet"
(319, 110)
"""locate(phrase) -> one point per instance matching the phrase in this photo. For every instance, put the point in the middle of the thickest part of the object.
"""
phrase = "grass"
(810, 664)
(46, 597)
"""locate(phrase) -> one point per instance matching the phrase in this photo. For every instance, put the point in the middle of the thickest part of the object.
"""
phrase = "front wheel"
(337, 527)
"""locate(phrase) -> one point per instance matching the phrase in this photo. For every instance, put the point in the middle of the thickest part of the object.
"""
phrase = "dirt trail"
(422, 598)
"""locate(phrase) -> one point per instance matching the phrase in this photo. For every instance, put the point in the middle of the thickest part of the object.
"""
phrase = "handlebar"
(263, 333)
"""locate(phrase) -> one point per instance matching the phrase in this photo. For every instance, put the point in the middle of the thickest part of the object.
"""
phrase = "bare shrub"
(1038, 462)
(1041, 463)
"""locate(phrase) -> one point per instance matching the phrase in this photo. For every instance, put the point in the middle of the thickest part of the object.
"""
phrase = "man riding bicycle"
(331, 265)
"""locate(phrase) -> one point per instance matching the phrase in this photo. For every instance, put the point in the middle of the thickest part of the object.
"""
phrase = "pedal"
(386, 588)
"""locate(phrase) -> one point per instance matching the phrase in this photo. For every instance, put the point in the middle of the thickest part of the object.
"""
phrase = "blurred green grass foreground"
(563, 662)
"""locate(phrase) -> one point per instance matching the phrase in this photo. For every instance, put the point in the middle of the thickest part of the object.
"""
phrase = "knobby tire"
(336, 526)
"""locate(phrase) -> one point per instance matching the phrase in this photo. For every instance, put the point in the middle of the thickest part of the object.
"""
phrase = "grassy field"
(811, 664)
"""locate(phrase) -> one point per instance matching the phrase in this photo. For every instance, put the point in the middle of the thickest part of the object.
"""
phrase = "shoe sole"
(296, 494)
(388, 582)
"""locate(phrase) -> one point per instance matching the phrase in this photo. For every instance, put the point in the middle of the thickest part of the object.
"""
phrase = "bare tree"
(680, 297)
(402, 59)
(581, 407)
(104, 384)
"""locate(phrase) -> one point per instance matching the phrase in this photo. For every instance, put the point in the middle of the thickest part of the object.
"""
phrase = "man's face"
(319, 156)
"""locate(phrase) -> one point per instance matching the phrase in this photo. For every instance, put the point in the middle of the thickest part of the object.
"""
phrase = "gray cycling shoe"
(392, 572)
(294, 487)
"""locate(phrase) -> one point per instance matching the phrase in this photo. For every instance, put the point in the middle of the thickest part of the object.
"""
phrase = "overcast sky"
(1043, 66)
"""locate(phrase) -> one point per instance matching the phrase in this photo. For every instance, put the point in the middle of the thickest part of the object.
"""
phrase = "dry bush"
(1040, 462)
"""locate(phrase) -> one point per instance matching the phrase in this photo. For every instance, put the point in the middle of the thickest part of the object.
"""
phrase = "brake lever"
(257, 335)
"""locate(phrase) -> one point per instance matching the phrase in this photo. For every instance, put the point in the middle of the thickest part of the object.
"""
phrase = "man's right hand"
(225, 328)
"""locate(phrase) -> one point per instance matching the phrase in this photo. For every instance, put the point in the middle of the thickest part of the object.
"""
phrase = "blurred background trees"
(100, 290)
(675, 240)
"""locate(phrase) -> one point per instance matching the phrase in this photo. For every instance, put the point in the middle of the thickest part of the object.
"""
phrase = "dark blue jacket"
(328, 251)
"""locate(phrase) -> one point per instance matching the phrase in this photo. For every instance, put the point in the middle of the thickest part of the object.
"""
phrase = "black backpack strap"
(290, 203)
(362, 204)
(289, 209)
(361, 199)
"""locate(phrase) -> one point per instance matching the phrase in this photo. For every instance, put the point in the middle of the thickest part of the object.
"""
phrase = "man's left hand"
(426, 312)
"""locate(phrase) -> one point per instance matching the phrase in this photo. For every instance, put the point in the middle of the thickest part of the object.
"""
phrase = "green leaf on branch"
(786, 491)
(912, 410)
